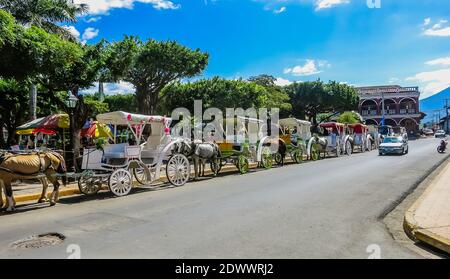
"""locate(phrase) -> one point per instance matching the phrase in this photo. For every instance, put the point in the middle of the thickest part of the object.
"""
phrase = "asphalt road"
(324, 209)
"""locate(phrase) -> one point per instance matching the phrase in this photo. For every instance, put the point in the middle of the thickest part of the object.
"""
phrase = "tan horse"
(31, 166)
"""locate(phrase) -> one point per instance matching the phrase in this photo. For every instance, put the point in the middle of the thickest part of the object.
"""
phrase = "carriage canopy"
(359, 128)
(125, 118)
(334, 126)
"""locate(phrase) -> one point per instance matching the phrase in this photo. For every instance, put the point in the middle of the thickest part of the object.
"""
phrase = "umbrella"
(46, 125)
(96, 130)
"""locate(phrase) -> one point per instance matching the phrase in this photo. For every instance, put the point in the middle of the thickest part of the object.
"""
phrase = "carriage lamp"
(72, 101)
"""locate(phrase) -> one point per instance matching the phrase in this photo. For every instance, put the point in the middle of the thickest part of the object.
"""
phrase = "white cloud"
(72, 30)
(433, 81)
(89, 33)
(280, 10)
(440, 29)
(93, 19)
(311, 67)
(282, 82)
(427, 21)
(445, 61)
(103, 6)
(326, 4)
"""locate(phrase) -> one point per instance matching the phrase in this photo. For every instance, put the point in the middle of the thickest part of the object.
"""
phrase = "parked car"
(427, 132)
(394, 145)
(440, 134)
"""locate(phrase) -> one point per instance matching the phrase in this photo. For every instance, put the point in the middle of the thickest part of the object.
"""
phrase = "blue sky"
(405, 42)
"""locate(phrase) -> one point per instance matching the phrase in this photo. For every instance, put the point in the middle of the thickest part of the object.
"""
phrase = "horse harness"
(4, 157)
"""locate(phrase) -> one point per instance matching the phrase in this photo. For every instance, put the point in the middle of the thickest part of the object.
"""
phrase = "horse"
(201, 152)
(31, 166)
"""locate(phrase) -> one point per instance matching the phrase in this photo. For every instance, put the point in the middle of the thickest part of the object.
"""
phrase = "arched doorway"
(390, 122)
(369, 108)
(409, 124)
(371, 122)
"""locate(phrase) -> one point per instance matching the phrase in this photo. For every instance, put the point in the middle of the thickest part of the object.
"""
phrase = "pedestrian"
(14, 146)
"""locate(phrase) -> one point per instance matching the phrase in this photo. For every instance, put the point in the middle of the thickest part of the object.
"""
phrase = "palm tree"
(45, 14)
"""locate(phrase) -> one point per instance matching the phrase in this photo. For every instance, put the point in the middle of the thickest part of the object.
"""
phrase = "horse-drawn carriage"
(337, 139)
(295, 135)
(239, 150)
(117, 163)
(361, 136)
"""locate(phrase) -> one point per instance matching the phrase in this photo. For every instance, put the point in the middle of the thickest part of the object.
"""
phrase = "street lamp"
(72, 102)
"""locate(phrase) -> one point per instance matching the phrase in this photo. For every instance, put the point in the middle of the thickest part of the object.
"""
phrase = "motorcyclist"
(443, 145)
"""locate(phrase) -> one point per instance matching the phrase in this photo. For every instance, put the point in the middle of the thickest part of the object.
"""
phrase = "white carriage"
(296, 135)
(361, 136)
(117, 163)
(337, 138)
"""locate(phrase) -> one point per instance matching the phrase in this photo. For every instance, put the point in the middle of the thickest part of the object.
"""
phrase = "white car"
(393, 145)
(440, 134)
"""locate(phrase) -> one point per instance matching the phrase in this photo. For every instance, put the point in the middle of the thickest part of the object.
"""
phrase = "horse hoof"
(10, 209)
(42, 200)
(52, 203)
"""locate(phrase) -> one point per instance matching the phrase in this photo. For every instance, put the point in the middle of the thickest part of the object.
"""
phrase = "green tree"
(313, 98)
(344, 96)
(13, 108)
(122, 102)
(309, 99)
(348, 117)
(46, 14)
(73, 68)
(276, 97)
(216, 92)
(152, 65)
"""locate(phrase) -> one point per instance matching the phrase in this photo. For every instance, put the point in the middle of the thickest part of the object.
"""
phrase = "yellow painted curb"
(73, 188)
(433, 239)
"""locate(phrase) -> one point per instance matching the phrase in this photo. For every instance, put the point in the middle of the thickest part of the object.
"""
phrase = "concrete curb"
(411, 227)
(72, 189)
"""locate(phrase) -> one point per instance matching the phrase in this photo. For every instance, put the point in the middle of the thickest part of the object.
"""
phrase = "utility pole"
(382, 107)
(446, 116)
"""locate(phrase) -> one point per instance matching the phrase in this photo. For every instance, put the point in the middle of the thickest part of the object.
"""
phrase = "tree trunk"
(2, 138)
(77, 119)
(32, 102)
(101, 91)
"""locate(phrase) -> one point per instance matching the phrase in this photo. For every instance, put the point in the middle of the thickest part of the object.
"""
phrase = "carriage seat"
(115, 151)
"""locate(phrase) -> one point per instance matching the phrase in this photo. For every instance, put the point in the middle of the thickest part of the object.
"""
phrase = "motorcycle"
(442, 147)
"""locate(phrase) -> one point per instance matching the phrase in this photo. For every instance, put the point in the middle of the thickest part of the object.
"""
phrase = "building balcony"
(369, 113)
(407, 111)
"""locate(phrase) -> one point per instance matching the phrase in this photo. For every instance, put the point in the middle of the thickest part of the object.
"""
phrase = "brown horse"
(39, 165)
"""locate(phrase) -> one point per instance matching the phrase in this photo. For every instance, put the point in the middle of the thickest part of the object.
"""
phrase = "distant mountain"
(434, 102)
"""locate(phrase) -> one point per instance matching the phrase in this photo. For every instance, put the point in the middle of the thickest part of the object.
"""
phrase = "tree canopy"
(152, 65)
(217, 92)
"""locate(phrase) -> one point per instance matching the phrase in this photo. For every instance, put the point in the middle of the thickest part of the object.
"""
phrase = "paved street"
(324, 209)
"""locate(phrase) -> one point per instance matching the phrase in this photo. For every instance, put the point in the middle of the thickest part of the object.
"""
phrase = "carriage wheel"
(297, 155)
(178, 170)
(88, 184)
(216, 166)
(348, 148)
(278, 158)
(266, 158)
(242, 164)
(142, 174)
(120, 182)
(315, 153)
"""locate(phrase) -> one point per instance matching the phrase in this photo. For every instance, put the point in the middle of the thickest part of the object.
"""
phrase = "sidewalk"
(428, 219)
